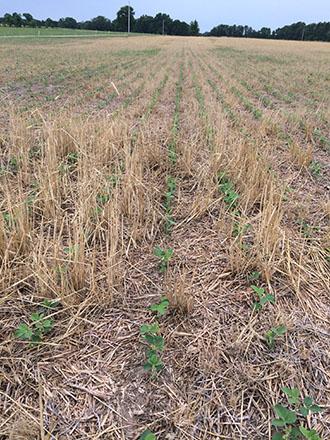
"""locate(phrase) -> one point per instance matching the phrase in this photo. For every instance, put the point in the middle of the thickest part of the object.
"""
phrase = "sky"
(209, 13)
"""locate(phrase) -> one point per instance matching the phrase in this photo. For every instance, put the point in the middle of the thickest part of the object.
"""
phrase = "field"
(25, 32)
(134, 170)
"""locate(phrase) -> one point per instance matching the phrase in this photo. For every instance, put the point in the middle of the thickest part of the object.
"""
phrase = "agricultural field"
(26, 32)
(164, 239)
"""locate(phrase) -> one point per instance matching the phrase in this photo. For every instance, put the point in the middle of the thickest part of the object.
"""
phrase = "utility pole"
(163, 27)
(129, 18)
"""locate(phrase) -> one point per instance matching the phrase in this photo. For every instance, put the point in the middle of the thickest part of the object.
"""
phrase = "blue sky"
(257, 13)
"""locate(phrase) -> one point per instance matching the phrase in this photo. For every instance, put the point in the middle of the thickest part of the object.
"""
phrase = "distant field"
(164, 238)
(54, 32)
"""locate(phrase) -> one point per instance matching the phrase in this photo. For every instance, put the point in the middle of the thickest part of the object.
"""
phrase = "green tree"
(68, 22)
(144, 24)
(161, 21)
(50, 23)
(121, 22)
(100, 23)
(265, 32)
(194, 28)
(28, 19)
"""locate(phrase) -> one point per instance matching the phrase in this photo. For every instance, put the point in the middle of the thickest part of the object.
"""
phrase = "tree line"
(161, 23)
(295, 31)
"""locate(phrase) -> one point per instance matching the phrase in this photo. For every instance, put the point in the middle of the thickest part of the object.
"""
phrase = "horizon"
(253, 13)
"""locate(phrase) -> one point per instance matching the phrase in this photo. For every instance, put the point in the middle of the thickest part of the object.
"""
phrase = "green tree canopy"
(194, 28)
(121, 22)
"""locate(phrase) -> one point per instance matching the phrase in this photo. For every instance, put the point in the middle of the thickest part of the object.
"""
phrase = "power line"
(129, 18)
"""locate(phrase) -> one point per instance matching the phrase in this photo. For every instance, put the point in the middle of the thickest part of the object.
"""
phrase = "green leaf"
(308, 401)
(304, 411)
(278, 422)
(36, 338)
(258, 290)
(147, 366)
(310, 435)
(277, 436)
(292, 395)
(158, 252)
(294, 433)
(315, 409)
(267, 298)
(257, 306)
(49, 304)
(24, 332)
(47, 325)
(35, 317)
(280, 330)
(288, 416)
(160, 308)
(147, 435)
(151, 329)
(168, 254)
(157, 342)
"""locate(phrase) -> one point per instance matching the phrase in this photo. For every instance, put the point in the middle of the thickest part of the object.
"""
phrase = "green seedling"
(327, 254)
(39, 327)
(169, 195)
(113, 180)
(288, 420)
(164, 256)
(315, 168)
(263, 297)
(239, 230)
(8, 219)
(70, 250)
(13, 164)
(148, 435)
(274, 333)
(49, 304)
(306, 229)
(227, 188)
(72, 159)
(160, 308)
(309, 434)
(254, 276)
(150, 334)
(172, 153)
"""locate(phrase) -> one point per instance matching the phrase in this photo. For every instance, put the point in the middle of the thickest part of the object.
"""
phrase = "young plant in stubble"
(169, 196)
(273, 334)
(263, 297)
(39, 326)
(289, 421)
(165, 256)
(226, 187)
(147, 435)
(160, 308)
(151, 335)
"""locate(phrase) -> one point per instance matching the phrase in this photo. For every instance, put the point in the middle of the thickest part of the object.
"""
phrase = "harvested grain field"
(186, 174)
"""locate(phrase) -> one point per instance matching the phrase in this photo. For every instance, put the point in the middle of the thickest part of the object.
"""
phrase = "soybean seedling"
(254, 276)
(289, 420)
(37, 329)
(227, 188)
(40, 324)
(169, 195)
(150, 333)
(160, 308)
(148, 435)
(164, 256)
(263, 297)
(274, 333)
